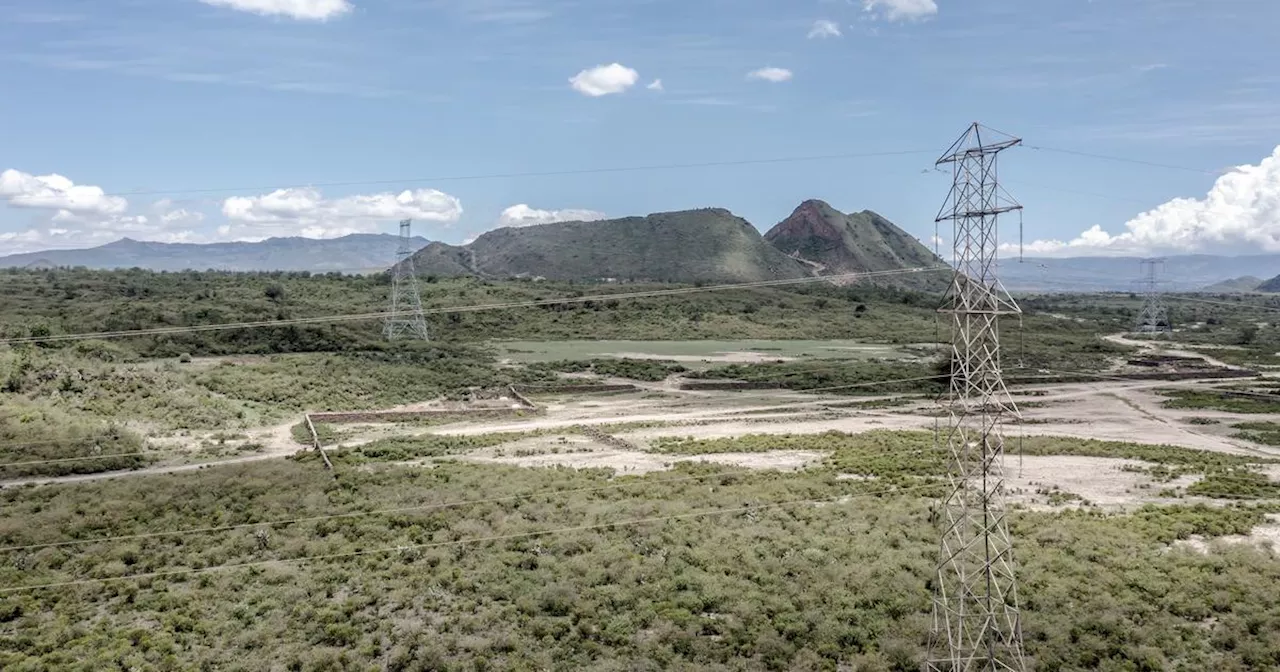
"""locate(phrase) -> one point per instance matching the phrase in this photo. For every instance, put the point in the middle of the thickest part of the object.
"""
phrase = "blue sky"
(177, 119)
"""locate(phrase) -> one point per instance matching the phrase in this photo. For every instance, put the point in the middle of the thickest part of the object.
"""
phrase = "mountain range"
(1183, 273)
(356, 253)
(709, 245)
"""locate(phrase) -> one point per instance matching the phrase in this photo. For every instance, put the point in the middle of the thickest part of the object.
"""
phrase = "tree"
(275, 292)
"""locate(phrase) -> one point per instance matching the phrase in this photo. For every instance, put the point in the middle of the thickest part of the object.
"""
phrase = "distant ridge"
(1241, 285)
(1183, 273)
(355, 253)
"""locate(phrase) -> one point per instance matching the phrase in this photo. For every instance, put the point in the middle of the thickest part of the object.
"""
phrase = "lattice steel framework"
(1154, 318)
(405, 319)
(976, 622)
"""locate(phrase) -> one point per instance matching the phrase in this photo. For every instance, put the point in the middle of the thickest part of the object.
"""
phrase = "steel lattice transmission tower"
(1154, 318)
(406, 318)
(976, 622)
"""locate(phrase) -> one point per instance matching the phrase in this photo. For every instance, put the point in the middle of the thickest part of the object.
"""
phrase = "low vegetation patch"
(854, 377)
(37, 440)
(791, 587)
(1266, 433)
(633, 369)
(1219, 401)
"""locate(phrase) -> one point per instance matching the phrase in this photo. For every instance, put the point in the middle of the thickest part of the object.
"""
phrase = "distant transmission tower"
(406, 318)
(1154, 318)
(976, 622)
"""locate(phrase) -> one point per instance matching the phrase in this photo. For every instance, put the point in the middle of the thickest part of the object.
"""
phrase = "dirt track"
(1110, 410)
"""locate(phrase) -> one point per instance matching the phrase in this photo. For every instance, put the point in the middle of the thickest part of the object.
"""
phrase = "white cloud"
(1241, 212)
(771, 74)
(603, 80)
(307, 10)
(523, 215)
(655, 85)
(181, 215)
(901, 10)
(823, 28)
(55, 192)
(306, 212)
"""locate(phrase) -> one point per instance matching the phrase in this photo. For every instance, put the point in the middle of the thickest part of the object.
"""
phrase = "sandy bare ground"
(1099, 481)
(1108, 410)
(737, 357)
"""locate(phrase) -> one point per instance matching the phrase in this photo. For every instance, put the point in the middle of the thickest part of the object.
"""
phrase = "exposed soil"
(719, 357)
(1110, 410)
(1098, 481)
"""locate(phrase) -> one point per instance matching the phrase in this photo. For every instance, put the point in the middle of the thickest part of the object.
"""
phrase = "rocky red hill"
(832, 242)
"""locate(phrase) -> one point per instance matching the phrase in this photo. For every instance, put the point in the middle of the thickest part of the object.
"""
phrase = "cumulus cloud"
(182, 215)
(901, 10)
(305, 10)
(822, 28)
(770, 74)
(523, 215)
(306, 212)
(82, 215)
(55, 192)
(655, 85)
(1241, 212)
(603, 80)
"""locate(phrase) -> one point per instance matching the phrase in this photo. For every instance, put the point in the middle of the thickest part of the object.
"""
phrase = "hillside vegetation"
(710, 245)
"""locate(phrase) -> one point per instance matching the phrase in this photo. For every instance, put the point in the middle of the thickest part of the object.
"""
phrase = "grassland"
(1220, 401)
(105, 396)
(430, 562)
(842, 580)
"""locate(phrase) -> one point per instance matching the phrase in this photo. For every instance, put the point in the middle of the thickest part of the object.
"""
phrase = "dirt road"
(1157, 348)
(1108, 410)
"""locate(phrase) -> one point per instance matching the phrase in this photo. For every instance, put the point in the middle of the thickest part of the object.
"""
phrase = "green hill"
(1271, 286)
(1247, 283)
(831, 242)
(707, 245)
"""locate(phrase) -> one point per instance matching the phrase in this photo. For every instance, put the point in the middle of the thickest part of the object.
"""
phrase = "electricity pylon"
(406, 318)
(1154, 318)
(976, 619)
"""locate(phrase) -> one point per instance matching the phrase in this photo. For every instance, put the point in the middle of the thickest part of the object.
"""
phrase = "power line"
(1233, 304)
(459, 542)
(83, 458)
(627, 169)
(356, 317)
(545, 173)
(1121, 159)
